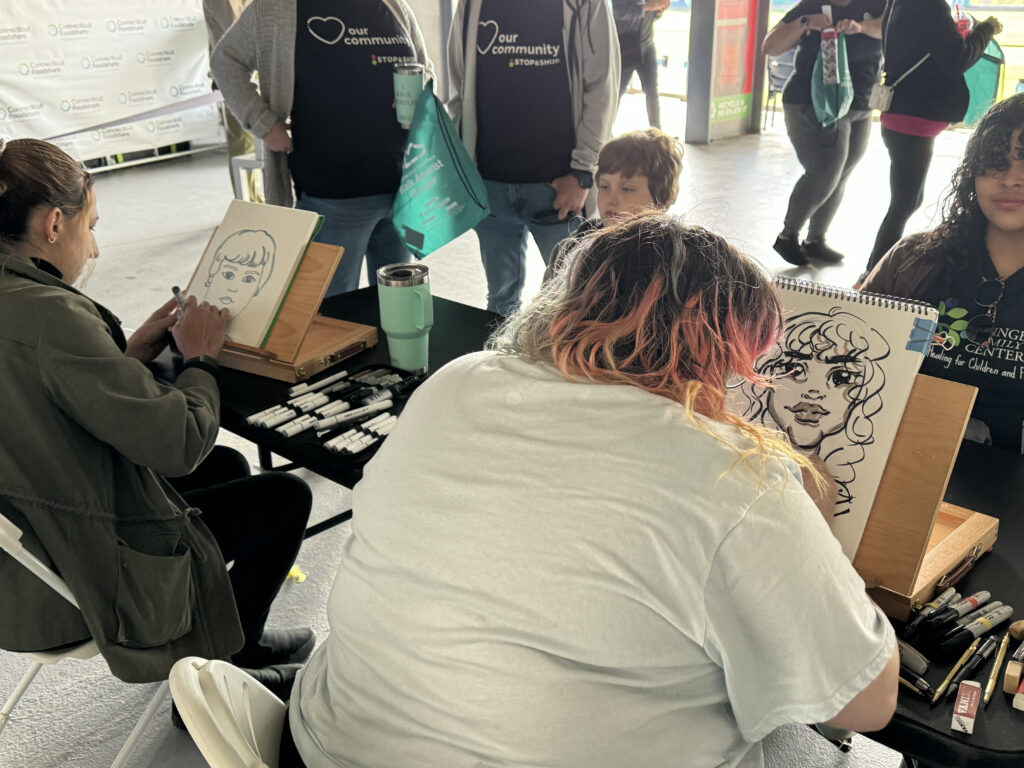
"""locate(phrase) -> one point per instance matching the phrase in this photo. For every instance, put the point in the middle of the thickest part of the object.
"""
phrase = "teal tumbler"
(406, 313)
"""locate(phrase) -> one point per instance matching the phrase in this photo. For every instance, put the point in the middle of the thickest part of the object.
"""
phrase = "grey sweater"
(263, 41)
(592, 53)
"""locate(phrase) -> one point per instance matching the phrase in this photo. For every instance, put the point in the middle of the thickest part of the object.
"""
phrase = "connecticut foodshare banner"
(70, 65)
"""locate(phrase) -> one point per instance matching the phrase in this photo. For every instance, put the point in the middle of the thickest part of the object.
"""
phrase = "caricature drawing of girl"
(829, 385)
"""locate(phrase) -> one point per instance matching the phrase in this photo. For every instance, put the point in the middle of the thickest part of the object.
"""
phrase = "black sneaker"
(817, 250)
(789, 249)
(278, 679)
(277, 646)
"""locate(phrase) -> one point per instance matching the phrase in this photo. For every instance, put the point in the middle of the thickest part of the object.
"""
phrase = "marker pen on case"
(976, 628)
(298, 425)
(956, 610)
(341, 418)
(299, 389)
(940, 602)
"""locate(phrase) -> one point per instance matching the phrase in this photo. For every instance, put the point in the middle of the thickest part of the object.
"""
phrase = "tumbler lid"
(403, 275)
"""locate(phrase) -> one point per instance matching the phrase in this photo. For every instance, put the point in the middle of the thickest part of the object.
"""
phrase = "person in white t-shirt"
(569, 553)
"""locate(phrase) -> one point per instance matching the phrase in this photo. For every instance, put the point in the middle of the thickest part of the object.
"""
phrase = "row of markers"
(361, 402)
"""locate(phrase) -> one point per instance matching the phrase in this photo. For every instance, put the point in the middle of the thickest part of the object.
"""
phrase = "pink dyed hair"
(651, 302)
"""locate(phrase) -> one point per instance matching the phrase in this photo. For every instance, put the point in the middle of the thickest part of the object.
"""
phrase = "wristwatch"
(204, 360)
(584, 178)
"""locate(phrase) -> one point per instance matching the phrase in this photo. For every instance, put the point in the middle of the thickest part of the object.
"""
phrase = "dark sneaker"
(789, 249)
(817, 250)
(277, 646)
(278, 679)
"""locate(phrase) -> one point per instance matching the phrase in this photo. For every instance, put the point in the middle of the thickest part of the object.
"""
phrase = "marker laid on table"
(977, 659)
(940, 602)
(917, 682)
(955, 668)
(993, 678)
(976, 628)
(985, 610)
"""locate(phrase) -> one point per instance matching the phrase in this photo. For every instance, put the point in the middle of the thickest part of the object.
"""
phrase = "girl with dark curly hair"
(969, 266)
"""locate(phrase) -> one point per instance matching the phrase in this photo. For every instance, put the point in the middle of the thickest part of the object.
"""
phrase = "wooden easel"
(913, 538)
(302, 343)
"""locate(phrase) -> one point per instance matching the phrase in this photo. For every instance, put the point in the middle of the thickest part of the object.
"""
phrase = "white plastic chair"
(234, 720)
(10, 542)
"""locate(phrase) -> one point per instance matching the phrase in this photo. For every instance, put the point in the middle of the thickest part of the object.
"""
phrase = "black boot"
(277, 646)
(817, 250)
(788, 247)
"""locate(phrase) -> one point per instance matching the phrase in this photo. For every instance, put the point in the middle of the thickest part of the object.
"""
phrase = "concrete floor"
(155, 221)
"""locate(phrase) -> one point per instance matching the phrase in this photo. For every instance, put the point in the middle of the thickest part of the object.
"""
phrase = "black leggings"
(257, 521)
(909, 158)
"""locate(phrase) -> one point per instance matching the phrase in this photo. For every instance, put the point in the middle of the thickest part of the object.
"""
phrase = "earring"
(51, 239)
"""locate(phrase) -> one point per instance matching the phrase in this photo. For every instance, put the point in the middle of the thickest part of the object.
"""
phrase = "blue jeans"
(362, 226)
(516, 210)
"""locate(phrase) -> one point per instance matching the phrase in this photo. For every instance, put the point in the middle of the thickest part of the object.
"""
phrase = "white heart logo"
(327, 26)
(480, 35)
(413, 153)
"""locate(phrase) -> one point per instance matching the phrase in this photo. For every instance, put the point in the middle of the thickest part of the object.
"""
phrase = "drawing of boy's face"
(821, 403)
(241, 267)
(232, 287)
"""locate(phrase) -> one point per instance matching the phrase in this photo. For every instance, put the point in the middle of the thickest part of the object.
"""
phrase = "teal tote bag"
(441, 194)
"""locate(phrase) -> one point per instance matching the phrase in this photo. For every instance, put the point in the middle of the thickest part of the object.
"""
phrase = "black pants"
(909, 158)
(647, 68)
(257, 521)
(288, 757)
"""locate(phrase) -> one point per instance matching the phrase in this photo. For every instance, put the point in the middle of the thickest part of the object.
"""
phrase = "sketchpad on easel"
(983, 81)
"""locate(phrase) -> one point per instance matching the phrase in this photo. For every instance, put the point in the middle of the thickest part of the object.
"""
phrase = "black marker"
(956, 610)
(928, 609)
(976, 628)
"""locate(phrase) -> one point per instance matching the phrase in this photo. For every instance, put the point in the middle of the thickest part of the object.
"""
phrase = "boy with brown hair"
(637, 171)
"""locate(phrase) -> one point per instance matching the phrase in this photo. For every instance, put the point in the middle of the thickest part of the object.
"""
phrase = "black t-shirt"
(863, 53)
(995, 368)
(523, 107)
(346, 140)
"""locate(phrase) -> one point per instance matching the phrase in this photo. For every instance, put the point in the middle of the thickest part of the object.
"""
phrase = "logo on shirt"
(491, 40)
(326, 29)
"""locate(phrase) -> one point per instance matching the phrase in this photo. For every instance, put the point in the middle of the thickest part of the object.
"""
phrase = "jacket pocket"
(154, 597)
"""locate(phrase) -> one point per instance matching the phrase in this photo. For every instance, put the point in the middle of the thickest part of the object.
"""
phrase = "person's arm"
(978, 40)
(412, 26)
(872, 708)
(233, 62)
(600, 66)
(869, 28)
(456, 65)
(116, 399)
(797, 638)
(786, 34)
(220, 15)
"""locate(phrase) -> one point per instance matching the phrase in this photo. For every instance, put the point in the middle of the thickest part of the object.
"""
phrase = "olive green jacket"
(86, 436)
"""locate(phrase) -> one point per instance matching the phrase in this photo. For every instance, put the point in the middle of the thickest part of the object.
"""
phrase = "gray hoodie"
(263, 41)
(592, 56)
